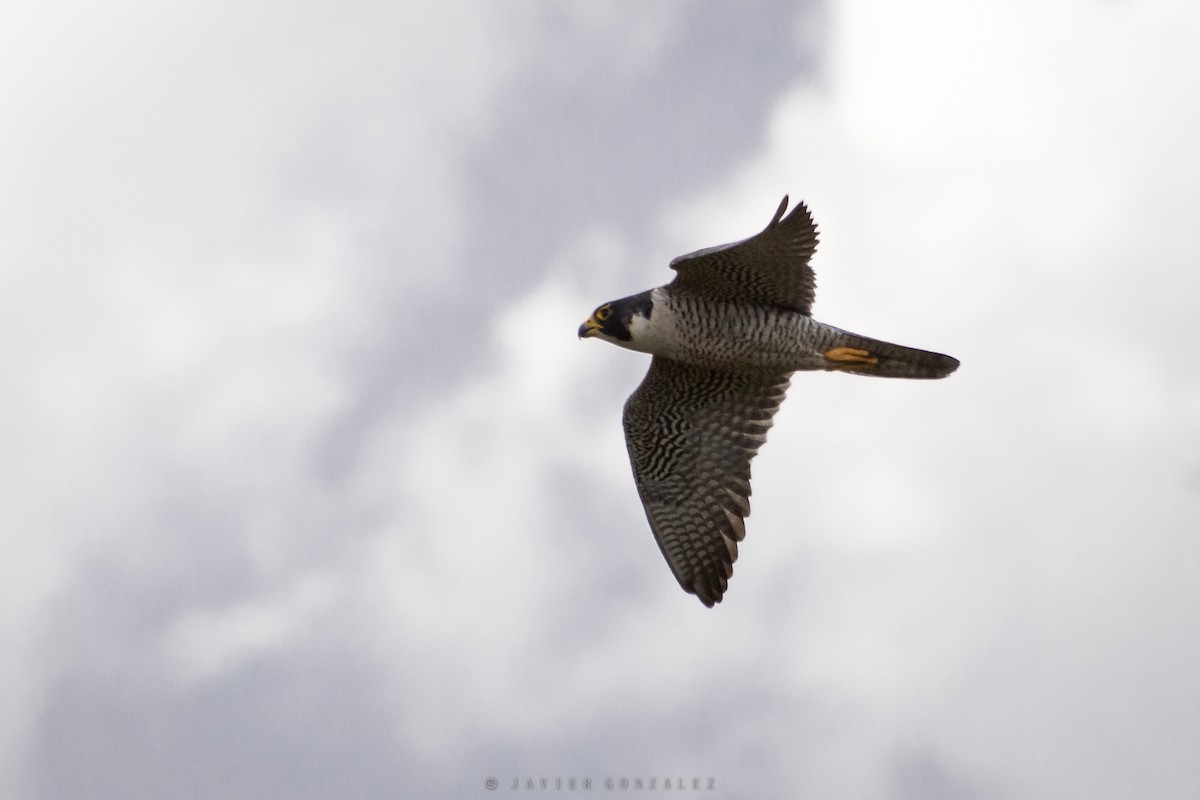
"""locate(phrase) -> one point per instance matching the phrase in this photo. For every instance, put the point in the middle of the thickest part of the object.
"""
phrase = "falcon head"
(615, 321)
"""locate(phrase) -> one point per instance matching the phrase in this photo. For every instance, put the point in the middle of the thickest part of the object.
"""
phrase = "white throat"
(645, 334)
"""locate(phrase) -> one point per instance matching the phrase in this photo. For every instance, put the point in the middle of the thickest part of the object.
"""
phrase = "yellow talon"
(850, 356)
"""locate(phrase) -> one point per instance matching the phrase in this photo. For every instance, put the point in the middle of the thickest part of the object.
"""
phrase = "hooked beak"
(589, 328)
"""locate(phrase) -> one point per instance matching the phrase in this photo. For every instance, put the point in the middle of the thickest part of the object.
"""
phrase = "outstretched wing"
(770, 268)
(691, 433)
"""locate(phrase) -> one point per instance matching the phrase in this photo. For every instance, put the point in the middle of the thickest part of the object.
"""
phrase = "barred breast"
(733, 336)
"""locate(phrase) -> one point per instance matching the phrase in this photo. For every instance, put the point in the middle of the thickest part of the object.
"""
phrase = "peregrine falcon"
(726, 335)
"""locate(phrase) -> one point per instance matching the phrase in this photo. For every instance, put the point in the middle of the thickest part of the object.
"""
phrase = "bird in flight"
(726, 335)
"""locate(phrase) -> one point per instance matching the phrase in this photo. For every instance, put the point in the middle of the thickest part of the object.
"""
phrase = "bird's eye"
(603, 313)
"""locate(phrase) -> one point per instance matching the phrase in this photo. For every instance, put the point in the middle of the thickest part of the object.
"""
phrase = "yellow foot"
(849, 358)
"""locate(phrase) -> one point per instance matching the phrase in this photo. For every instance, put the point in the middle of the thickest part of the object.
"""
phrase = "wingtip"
(709, 597)
(710, 590)
(779, 213)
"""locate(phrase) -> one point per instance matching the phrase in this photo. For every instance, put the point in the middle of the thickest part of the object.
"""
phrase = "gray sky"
(311, 492)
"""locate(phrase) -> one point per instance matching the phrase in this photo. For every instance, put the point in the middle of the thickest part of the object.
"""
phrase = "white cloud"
(206, 644)
(978, 584)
